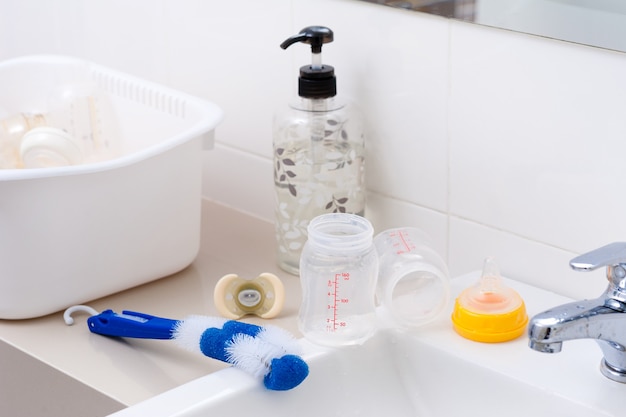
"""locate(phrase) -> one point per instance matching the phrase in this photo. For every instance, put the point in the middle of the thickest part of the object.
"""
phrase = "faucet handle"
(610, 255)
(613, 256)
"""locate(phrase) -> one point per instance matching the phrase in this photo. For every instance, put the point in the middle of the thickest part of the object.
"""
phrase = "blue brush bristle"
(213, 342)
(286, 373)
(237, 343)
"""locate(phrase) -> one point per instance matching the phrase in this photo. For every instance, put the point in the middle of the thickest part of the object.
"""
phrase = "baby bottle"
(413, 281)
(12, 129)
(338, 272)
(74, 126)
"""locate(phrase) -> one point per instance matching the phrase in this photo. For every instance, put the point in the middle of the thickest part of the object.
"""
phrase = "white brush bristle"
(281, 338)
(252, 354)
(187, 332)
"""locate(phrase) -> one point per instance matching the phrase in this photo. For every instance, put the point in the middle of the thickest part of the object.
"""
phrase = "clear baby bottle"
(75, 126)
(338, 271)
(413, 281)
(12, 129)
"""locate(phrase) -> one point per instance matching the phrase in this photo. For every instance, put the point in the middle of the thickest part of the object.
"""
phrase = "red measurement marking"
(404, 245)
(336, 296)
(333, 322)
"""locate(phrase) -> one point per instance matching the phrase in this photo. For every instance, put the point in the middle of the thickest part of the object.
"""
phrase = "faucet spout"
(553, 347)
(602, 319)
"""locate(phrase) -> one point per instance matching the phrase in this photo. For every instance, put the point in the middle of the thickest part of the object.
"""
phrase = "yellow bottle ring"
(489, 328)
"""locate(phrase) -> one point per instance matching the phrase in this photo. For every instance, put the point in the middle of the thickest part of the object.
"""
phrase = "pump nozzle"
(315, 36)
(316, 81)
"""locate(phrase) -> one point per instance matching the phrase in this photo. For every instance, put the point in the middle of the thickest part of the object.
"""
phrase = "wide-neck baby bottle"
(318, 150)
(338, 274)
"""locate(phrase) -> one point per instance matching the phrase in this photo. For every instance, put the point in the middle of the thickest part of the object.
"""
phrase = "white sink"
(429, 372)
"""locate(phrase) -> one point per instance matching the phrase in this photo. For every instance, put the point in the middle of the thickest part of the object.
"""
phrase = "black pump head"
(315, 36)
(316, 80)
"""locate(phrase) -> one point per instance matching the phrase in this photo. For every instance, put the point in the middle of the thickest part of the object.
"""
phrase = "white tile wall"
(492, 141)
(543, 122)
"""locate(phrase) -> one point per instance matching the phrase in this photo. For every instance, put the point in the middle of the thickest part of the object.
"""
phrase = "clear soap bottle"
(318, 151)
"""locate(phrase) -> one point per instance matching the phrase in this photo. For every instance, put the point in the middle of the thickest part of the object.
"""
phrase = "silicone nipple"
(489, 311)
(235, 297)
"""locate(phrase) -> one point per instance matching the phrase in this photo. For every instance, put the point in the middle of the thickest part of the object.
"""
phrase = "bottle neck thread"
(317, 105)
(340, 233)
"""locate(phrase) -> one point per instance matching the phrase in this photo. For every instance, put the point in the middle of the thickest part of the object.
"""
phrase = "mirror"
(599, 23)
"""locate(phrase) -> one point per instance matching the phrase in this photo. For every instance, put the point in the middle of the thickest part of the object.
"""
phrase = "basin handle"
(610, 255)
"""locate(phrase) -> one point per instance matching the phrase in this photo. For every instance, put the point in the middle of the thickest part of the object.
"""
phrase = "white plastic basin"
(75, 233)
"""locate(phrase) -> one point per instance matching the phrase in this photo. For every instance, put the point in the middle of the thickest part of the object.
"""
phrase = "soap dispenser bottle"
(318, 151)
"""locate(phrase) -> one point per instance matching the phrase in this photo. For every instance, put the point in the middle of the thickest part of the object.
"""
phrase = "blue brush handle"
(131, 324)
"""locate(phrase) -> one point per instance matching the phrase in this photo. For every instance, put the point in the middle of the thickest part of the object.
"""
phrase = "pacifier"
(235, 297)
(489, 311)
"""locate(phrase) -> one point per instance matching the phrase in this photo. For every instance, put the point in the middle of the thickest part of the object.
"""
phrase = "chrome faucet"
(603, 318)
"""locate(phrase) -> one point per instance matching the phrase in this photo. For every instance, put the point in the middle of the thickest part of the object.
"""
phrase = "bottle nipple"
(235, 297)
(489, 311)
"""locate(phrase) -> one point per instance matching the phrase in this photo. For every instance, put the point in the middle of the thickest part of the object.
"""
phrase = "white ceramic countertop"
(129, 371)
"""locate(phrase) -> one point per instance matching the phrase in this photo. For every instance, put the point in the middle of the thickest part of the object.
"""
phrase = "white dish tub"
(72, 234)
